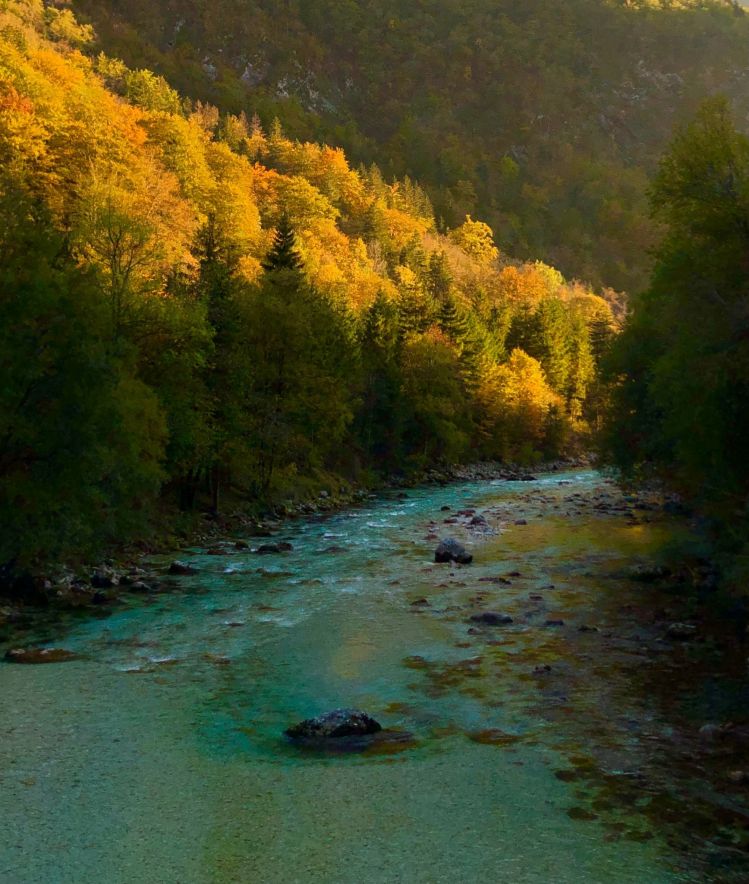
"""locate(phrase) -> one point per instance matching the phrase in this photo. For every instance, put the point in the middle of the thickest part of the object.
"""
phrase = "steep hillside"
(544, 118)
(189, 303)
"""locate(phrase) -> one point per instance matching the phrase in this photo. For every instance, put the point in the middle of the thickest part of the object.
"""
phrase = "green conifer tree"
(283, 254)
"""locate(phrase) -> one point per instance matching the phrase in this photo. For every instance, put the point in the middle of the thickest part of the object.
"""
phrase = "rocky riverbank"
(97, 586)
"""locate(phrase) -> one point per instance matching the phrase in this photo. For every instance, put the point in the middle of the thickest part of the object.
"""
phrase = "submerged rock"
(494, 737)
(271, 548)
(449, 550)
(335, 725)
(492, 618)
(40, 655)
(182, 569)
(217, 659)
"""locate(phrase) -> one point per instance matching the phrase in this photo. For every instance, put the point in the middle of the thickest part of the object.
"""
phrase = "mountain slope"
(544, 118)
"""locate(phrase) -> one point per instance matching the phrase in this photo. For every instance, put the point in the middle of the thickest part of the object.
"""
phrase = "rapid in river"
(549, 749)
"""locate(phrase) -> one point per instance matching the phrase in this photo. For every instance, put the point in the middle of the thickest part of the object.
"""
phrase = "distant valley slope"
(542, 118)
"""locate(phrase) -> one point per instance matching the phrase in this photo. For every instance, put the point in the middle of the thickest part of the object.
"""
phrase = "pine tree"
(472, 353)
(283, 254)
(601, 336)
(217, 285)
(376, 181)
(452, 320)
(414, 256)
(257, 143)
(439, 277)
(415, 313)
(381, 415)
(582, 366)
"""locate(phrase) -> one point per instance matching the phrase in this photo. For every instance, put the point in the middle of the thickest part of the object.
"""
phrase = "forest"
(543, 118)
(212, 305)
(679, 374)
(374, 476)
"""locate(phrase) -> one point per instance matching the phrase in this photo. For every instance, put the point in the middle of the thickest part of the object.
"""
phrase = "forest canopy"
(544, 118)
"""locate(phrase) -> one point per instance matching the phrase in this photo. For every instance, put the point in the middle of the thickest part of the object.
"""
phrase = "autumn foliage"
(149, 315)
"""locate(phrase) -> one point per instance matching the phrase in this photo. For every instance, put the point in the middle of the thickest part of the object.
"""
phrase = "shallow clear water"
(154, 759)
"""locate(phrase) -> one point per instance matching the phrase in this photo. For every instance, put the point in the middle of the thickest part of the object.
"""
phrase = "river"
(540, 753)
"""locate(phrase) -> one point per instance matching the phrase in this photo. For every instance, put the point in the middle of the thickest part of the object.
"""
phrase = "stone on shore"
(449, 550)
(103, 579)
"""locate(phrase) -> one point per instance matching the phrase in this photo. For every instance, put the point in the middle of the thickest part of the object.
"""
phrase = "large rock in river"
(182, 569)
(334, 725)
(450, 550)
(271, 548)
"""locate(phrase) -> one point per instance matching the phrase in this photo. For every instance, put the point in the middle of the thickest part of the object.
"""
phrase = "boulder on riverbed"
(335, 725)
(39, 655)
(449, 550)
(348, 730)
(492, 618)
(182, 569)
(273, 548)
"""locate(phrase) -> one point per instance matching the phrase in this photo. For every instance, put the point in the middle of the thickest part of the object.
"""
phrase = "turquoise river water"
(537, 750)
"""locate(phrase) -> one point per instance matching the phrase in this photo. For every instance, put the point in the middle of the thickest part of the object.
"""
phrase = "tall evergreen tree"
(381, 413)
(452, 320)
(298, 393)
(439, 277)
(283, 254)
